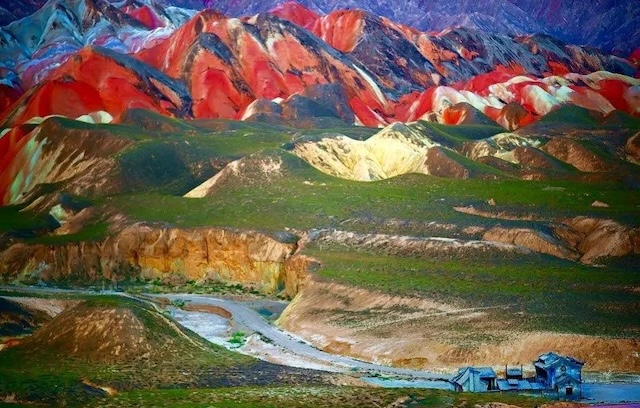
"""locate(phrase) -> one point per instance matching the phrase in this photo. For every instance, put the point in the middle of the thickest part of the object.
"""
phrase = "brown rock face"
(81, 158)
(532, 158)
(534, 240)
(424, 333)
(512, 115)
(96, 334)
(632, 148)
(602, 238)
(583, 239)
(572, 152)
(439, 164)
(140, 251)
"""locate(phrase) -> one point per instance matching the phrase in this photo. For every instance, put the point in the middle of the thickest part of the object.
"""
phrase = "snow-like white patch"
(59, 214)
(255, 346)
(271, 41)
(250, 110)
(203, 189)
(373, 84)
(502, 92)
(602, 75)
(542, 101)
(518, 79)
(209, 326)
(555, 80)
(37, 120)
(563, 93)
(99, 117)
(445, 96)
(139, 40)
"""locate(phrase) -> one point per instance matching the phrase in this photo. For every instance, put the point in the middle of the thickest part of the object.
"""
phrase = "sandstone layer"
(421, 332)
(139, 251)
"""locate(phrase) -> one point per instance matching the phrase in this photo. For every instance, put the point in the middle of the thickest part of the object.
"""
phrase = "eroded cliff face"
(250, 258)
(582, 239)
(54, 152)
(430, 334)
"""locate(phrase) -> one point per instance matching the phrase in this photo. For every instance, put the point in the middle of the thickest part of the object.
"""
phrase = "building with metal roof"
(475, 379)
(560, 373)
(555, 374)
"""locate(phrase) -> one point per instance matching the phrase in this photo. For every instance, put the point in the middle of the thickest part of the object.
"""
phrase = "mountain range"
(213, 66)
(607, 24)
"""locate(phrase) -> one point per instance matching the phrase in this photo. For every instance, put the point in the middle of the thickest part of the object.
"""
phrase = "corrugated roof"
(463, 376)
(517, 385)
(503, 385)
(550, 358)
(565, 378)
(482, 372)
(485, 372)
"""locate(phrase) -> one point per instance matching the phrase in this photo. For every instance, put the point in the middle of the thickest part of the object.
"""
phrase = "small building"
(513, 373)
(560, 373)
(475, 379)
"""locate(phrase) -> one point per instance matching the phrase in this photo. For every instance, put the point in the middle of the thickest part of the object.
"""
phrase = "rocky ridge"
(416, 332)
(206, 254)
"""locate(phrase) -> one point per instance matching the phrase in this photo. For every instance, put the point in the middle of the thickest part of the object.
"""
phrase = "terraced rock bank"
(139, 251)
(429, 334)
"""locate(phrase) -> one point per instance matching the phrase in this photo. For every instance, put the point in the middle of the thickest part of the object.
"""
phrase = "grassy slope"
(542, 293)
(43, 375)
(455, 136)
(177, 160)
(307, 198)
(320, 397)
(12, 218)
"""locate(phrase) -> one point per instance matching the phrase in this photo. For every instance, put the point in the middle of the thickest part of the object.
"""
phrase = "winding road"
(295, 348)
(249, 319)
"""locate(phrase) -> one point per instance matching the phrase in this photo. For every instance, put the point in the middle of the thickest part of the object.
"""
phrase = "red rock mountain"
(215, 66)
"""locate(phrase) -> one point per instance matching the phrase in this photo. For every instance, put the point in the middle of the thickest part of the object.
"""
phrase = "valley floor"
(246, 326)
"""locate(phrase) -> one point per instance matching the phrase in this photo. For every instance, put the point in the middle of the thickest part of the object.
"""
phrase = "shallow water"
(403, 383)
(610, 393)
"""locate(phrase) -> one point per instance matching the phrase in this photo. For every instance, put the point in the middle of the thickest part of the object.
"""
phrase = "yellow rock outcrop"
(201, 254)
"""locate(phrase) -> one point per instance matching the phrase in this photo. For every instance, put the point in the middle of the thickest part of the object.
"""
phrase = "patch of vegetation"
(92, 232)
(551, 294)
(152, 164)
(306, 199)
(14, 219)
(310, 396)
(179, 303)
(137, 285)
(238, 339)
(173, 156)
(455, 136)
(572, 115)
